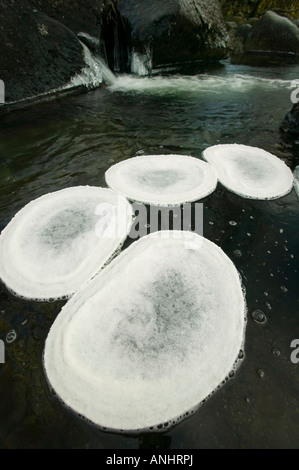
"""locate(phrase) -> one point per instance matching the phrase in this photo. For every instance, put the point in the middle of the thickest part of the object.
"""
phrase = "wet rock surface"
(289, 130)
(274, 33)
(78, 15)
(39, 54)
(273, 39)
(168, 32)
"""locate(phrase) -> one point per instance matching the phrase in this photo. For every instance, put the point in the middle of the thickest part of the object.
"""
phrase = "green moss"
(251, 8)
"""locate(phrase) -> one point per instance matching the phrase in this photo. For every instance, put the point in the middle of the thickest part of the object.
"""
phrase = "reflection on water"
(74, 141)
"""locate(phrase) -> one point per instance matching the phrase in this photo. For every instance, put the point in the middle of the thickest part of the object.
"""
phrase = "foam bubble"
(249, 171)
(58, 242)
(162, 179)
(151, 336)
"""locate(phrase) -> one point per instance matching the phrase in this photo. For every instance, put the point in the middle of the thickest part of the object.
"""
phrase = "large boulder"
(38, 54)
(274, 33)
(167, 32)
(273, 40)
(77, 15)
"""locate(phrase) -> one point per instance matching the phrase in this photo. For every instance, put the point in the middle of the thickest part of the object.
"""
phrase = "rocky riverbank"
(42, 55)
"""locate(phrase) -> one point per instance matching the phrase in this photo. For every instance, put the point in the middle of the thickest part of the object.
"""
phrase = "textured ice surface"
(59, 241)
(249, 171)
(296, 180)
(162, 179)
(151, 336)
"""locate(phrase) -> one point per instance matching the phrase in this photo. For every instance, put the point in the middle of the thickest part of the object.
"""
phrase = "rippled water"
(73, 141)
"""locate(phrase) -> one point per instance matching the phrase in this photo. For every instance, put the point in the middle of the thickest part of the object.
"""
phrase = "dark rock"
(166, 32)
(77, 15)
(243, 31)
(39, 54)
(274, 33)
(290, 125)
(90, 41)
(289, 131)
(231, 25)
(253, 21)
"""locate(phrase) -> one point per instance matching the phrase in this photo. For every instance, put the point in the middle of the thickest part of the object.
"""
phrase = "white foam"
(57, 242)
(151, 336)
(249, 171)
(203, 83)
(141, 64)
(93, 74)
(296, 180)
(162, 179)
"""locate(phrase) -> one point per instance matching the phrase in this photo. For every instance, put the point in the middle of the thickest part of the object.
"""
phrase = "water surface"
(73, 141)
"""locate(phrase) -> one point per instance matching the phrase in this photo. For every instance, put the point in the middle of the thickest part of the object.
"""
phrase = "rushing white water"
(95, 72)
(211, 84)
(141, 64)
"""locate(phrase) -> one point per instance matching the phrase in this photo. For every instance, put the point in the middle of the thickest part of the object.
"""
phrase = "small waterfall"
(141, 63)
(95, 72)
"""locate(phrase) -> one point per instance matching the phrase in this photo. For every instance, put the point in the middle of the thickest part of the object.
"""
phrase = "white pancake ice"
(250, 172)
(162, 180)
(59, 241)
(151, 336)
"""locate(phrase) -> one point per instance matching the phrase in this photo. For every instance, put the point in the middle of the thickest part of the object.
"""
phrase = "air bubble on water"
(276, 352)
(266, 294)
(241, 355)
(238, 253)
(233, 223)
(268, 305)
(110, 161)
(259, 317)
(281, 230)
(139, 153)
(249, 234)
(11, 336)
(284, 289)
(232, 374)
(261, 373)
(211, 223)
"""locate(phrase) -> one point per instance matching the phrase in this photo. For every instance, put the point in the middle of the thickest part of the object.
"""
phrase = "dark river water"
(73, 141)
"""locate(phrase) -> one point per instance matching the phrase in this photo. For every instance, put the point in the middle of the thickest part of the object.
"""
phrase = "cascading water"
(141, 64)
(95, 72)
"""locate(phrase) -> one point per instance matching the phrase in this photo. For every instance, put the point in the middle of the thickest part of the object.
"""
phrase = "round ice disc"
(151, 336)
(162, 179)
(249, 171)
(59, 241)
